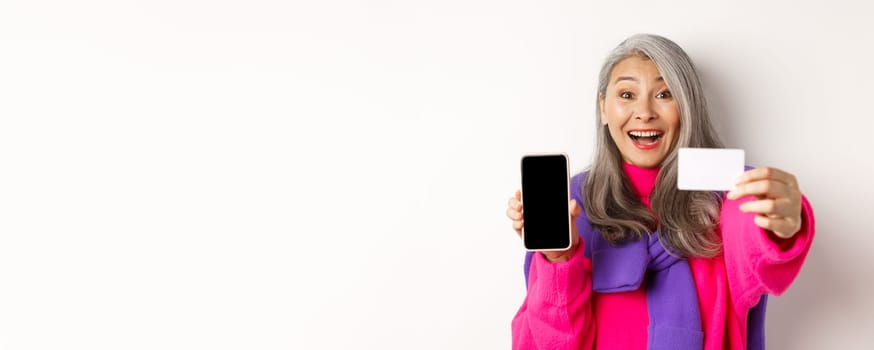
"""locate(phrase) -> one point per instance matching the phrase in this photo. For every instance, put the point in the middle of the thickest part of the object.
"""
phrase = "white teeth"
(644, 133)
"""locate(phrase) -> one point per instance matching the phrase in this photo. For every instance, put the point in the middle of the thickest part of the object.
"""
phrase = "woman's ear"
(601, 107)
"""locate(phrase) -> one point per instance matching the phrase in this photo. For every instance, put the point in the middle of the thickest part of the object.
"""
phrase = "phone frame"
(567, 191)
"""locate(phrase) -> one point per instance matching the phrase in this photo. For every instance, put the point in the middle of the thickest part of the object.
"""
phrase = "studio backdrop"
(334, 174)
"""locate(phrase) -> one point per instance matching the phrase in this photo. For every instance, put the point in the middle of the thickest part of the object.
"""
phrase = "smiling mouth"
(646, 139)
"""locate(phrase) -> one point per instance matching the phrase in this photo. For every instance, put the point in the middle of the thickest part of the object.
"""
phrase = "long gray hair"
(686, 220)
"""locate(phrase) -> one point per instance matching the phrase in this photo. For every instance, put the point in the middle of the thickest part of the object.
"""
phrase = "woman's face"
(640, 112)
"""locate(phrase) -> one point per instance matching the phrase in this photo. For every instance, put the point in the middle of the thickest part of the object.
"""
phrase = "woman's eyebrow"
(618, 79)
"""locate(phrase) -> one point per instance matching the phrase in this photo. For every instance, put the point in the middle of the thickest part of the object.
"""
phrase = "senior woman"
(652, 267)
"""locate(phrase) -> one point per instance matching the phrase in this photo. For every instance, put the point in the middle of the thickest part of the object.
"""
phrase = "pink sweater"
(562, 312)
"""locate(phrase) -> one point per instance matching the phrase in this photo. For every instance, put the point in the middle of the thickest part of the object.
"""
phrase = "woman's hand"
(779, 200)
(514, 212)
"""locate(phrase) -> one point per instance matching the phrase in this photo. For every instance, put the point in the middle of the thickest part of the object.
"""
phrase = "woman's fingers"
(575, 209)
(764, 182)
(761, 188)
(518, 224)
(771, 207)
(764, 173)
(780, 207)
(515, 202)
(762, 206)
(781, 226)
(514, 214)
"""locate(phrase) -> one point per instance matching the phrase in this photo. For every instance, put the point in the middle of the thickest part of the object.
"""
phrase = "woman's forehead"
(635, 69)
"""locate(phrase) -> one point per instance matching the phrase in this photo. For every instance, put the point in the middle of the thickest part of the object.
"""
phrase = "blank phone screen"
(545, 202)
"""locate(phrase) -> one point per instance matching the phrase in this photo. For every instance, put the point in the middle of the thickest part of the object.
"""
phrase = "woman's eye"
(625, 94)
(664, 94)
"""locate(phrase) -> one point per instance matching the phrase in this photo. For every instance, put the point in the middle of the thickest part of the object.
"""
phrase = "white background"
(334, 174)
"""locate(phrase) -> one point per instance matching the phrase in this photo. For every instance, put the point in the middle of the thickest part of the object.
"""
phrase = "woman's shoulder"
(580, 176)
(576, 184)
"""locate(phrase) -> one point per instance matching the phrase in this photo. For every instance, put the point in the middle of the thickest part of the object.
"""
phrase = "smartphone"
(545, 197)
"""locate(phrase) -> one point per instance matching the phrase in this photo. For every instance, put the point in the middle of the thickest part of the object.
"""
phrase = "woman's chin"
(645, 162)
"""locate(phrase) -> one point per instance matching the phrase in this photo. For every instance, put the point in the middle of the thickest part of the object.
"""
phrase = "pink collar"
(642, 179)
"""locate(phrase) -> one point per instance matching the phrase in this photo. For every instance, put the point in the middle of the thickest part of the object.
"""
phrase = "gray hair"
(686, 220)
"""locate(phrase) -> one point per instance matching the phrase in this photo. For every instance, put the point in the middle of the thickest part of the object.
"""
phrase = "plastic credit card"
(709, 169)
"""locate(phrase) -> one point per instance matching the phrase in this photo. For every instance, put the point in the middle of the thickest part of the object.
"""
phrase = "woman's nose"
(643, 110)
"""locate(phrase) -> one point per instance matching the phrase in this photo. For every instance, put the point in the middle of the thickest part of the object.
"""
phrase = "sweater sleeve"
(557, 311)
(756, 262)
